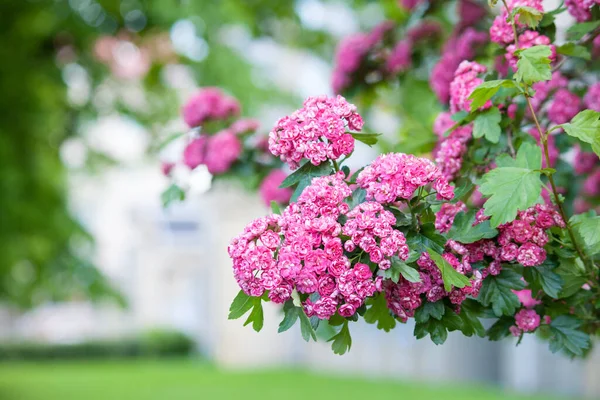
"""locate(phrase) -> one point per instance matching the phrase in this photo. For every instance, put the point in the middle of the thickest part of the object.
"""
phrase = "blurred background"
(106, 294)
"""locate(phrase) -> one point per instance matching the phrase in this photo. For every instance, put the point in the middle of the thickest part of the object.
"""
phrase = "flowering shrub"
(500, 226)
(228, 146)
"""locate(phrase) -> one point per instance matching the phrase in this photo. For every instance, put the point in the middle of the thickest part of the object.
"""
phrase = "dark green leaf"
(342, 341)
(398, 268)
(427, 237)
(589, 231)
(436, 330)
(469, 314)
(290, 317)
(450, 276)
(380, 313)
(572, 273)
(306, 173)
(514, 185)
(487, 123)
(369, 139)
(544, 277)
(240, 305)
(567, 337)
(430, 310)
(497, 292)
(256, 317)
(500, 329)
(306, 328)
(534, 64)
(463, 230)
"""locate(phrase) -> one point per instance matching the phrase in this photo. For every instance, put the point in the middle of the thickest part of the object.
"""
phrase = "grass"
(186, 379)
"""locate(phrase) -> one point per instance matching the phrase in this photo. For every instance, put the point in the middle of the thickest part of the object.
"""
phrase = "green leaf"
(358, 197)
(578, 31)
(291, 315)
(426, 238)
(256, 317)
(514, 185)
(342, 341)
(430, 310)
(534, 64)
(240, 305)
(589, 231)
(528, 15)
(380, 313)
(572, 273)
(497, 292)
(586, 127)
(306, 327)
(487, 123)
(469, 314)
(484, 92)
(567, 337)
(306, 173)
(574, 50)
(450, 276)
(173, 193)
(275, 207)
(500, 329)
(398, 268)
(369, 139)
(436, 330)
(544, 277)
(463, 230)
(459, 116)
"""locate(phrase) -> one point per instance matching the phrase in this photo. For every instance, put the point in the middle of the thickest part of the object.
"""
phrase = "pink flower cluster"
(526, 321)
(395, 176)
(317, 132)
(404, 297)
(501, 31)
(450, 150)
(459, 48)
(465, 81)
(523, 239)
(592, 97)
(217, 152)
(580, 9)
(353, 51)
(209, 104)
(269, 189)
(399, 59)
(564, 106)
(370, 228)
(544, 89)
(302, 250)
(444, 218)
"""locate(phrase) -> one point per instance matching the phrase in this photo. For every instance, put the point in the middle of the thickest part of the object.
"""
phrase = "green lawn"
(183, 379)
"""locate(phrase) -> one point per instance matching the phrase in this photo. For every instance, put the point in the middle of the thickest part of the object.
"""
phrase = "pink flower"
(399, 59)
(591, 186)
(244, 125)
(195, 152)
(531, 255)
(445, 217)
(316, 132)
(167, 167)
(465, 81)
(223, 150)
(270, 191)
(592, 97)
(527, 320)
(396, 176)
(501, 31)
(526, 299)
(564, 106)
(209, 104)
(584, 162)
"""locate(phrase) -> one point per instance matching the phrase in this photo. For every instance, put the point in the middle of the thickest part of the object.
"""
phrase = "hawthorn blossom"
(209, 104)
(317, 132)
(270, 191)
